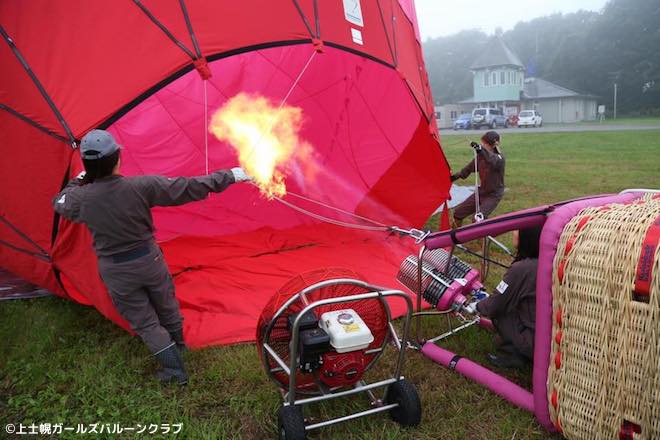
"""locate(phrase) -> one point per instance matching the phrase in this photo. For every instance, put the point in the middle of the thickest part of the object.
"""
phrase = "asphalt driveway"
(558, 128)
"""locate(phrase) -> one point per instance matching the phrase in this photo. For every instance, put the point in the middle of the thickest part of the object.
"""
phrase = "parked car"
(488, 117)
(530, 118)
(462, 122)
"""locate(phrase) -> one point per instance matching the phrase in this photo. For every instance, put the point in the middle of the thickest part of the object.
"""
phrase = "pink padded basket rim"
(552, 229)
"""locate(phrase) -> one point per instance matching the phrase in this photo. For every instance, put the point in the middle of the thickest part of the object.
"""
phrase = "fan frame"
(373, 292)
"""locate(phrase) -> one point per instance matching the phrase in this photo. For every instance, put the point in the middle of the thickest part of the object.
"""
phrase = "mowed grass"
(63, 363)
(627, 121)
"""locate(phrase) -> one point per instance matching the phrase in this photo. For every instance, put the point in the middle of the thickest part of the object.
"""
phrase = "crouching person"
(512, 307)
(117, 211)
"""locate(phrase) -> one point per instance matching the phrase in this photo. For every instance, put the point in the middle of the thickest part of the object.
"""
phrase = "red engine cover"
(342, 369)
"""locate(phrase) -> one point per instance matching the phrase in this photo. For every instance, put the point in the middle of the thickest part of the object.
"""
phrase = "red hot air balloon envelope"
(137, 68)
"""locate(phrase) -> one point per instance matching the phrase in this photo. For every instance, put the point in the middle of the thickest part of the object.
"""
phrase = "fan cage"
(272, 328)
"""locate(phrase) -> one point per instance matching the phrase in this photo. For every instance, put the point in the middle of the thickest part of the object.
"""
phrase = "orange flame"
(265, 137)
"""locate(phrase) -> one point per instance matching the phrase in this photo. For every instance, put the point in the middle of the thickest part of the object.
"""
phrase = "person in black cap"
(117, 211)
(490, 165)
(512, 307)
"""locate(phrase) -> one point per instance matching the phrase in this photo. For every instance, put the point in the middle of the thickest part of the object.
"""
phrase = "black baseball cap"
(491, 137)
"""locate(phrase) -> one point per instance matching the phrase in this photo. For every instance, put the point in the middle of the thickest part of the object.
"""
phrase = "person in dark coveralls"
(512, 307)
(490, 165)
(117, 211)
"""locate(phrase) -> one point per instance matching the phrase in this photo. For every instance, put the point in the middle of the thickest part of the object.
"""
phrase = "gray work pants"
(143, 293)
(487, 203)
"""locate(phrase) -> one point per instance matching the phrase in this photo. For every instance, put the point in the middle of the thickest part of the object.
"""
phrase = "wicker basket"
(604, 375)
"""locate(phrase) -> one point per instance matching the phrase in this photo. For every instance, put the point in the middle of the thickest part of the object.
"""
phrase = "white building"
(499, 81)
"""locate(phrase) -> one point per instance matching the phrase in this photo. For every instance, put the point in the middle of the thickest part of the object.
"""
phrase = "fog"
(441, 18)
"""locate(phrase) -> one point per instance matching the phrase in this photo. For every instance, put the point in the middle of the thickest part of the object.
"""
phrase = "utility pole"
(615, 87)
(614, 77)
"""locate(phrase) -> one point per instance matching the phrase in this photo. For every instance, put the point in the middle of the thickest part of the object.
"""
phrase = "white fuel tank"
(347, 330)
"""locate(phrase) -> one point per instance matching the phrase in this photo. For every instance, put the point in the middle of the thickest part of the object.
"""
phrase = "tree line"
(584, 51)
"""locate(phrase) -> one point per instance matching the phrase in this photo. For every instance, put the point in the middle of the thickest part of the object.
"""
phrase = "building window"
(502, 77)
(510, 77)
(453, 115)
(486, 77)
(520, 79)
(494, 78)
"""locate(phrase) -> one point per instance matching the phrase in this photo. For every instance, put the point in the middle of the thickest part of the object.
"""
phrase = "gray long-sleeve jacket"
(491, 172)
(117, 209)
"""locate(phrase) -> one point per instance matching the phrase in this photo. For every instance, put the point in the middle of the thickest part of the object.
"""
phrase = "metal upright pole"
(615, 87)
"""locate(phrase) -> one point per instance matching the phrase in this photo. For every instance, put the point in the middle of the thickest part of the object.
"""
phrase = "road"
(560, 128)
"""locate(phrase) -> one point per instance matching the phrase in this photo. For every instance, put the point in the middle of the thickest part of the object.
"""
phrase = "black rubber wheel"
(291, 423)
(409, 411)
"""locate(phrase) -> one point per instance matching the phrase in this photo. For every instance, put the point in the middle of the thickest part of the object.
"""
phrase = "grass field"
(63, 363)
(627, 121)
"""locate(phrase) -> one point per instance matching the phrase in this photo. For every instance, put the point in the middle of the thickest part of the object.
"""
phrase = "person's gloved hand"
(240, 175)
(477, 147)
(477, 297)
(454, 177)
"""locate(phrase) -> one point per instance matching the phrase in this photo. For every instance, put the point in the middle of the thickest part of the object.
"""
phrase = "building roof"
(537, 88)
(470, 100)
(496, 54)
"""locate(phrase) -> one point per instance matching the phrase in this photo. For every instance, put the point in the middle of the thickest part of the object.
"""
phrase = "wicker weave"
(604, 375)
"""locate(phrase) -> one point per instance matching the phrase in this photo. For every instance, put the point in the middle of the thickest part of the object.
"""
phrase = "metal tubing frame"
(277, 359)
(484, 261)
(500, 245)
(357, 389)
(351, 416)
(418, 321)
(302, 295)
(293, 346)
(375, 292)
(453, 331)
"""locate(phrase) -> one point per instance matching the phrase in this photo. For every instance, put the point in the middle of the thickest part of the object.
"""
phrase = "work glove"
(477, 147)
(240, 175)
(454, 177)
(477, 297)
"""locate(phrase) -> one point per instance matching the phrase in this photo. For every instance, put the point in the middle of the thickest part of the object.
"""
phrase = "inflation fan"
(319, 335)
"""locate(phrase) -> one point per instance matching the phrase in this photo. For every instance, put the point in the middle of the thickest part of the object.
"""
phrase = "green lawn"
(63, 363)
(627, 121)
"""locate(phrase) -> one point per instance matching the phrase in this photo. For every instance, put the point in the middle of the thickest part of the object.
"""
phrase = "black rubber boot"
(177, 337)
(173, 369)
(507, 360)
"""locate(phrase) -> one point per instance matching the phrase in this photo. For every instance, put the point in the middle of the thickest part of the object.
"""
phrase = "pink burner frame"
(553, 218)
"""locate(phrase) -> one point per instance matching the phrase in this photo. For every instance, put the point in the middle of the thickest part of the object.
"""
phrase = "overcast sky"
(441, 17)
